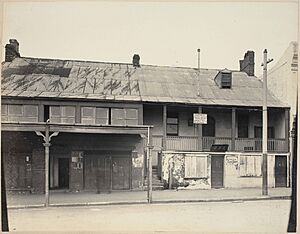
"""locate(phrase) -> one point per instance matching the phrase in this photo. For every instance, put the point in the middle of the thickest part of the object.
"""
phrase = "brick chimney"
(136, 60)
(247, 64)
(11, 50)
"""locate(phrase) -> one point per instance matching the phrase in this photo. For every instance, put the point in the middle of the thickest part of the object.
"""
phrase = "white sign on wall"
(200, 118)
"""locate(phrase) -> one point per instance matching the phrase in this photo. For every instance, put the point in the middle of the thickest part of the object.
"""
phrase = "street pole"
(265, 127)
(149, 160)
(198, 80)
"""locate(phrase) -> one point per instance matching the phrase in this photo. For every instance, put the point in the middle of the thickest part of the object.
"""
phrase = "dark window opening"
(209, 129)
(226, 80)
(109, 116)
(46, 113)
(172, 124)
(243, 126)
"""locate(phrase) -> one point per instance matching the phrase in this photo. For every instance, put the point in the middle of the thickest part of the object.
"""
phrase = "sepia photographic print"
(149, 117)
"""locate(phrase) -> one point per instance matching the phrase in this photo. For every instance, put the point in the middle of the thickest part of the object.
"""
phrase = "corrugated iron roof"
(33, 77)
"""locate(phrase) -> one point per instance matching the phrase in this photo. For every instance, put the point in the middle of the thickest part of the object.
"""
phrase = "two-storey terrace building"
(98, 114)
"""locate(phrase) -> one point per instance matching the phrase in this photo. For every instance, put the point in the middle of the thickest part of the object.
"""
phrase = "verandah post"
(200, 137)
(233, 123)
(164, 139)
(47, 138)
(47, 145)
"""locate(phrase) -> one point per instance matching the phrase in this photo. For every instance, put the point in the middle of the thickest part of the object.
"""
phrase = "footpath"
(65, 198)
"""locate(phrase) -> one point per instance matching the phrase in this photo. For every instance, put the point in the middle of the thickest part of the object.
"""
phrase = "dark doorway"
(280, 171)
(63, 173)
(217, 171)
(209, 129)
(121, 173)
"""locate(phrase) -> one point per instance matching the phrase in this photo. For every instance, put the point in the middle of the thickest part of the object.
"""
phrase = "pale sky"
(167, 33)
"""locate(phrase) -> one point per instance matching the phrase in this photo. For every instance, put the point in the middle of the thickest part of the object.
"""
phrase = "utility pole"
(265, 127)
(198, 80)
(149, 160)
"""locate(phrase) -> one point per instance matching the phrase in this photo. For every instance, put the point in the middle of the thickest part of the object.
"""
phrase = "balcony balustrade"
(191, 143)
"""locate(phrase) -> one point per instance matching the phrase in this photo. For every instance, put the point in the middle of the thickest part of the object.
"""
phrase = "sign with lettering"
(200, 118)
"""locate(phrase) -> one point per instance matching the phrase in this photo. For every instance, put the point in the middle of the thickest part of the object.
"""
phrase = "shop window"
(124, 116)
(62, 114)
(172, 124)
(250, 165)
(195, 167)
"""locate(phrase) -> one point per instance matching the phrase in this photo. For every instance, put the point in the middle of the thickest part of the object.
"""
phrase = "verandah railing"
(190, 143)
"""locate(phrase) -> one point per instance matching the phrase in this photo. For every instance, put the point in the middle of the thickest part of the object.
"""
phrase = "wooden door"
(121, 173)
(97, 175)
(280, 171)
(217, 171)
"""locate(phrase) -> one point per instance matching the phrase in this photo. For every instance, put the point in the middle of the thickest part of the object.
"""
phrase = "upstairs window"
(172, 124)
(124, 116)
(19, 113)
(95, 115)
(224, 79)
(62, 114)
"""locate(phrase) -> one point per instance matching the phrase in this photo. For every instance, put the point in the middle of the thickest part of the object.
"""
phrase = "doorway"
(121, 173)
(217, 171)
(63, 173)
(280, 171)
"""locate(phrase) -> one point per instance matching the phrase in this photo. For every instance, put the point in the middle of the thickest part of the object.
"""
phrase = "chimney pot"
(136, 60)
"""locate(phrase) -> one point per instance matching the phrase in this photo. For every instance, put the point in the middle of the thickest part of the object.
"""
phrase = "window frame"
(62, 115)
(126, 119)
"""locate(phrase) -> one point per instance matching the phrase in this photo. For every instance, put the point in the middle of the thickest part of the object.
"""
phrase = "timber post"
(47, 138)
(199, 132)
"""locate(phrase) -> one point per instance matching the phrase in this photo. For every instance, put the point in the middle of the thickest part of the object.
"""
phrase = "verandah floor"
(89, 198)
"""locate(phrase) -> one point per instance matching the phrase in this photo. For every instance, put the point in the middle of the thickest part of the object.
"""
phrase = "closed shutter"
(195, 167)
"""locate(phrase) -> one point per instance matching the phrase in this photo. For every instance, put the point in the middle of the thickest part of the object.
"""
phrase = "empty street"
(254, 216)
